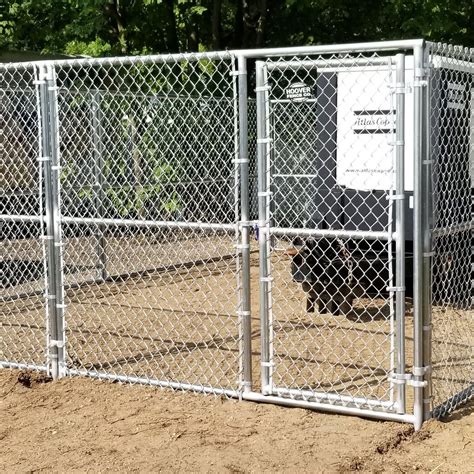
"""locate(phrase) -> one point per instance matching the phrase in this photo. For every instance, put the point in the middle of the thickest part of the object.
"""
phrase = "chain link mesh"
(149, 200)
(452, 144)
(22, 308)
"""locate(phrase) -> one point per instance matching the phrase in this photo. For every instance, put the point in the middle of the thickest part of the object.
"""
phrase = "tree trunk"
(172, 43)
(216, 24)
(238, 25)
(261, 24)
(193, 36)
(115, 11)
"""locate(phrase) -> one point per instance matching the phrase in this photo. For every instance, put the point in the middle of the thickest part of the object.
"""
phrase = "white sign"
(366, 130)
(298, 92)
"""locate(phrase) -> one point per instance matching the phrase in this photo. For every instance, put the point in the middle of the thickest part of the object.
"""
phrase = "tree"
(111, 27)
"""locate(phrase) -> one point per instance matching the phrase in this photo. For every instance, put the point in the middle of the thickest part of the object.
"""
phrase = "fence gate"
(331, 177)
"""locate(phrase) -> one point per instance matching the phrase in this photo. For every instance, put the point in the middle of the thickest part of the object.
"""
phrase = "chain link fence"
(452, 144)
(160, 225)
(23, 327)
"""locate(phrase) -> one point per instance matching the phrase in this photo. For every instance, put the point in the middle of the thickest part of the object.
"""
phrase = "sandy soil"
(181, 325)
(84, 425)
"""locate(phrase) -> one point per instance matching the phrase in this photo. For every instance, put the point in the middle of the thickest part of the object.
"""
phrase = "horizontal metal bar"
(380, 415)
(331, 233)
(251, 396)
(219, 55)
(149, 223)
(20, 218)
(124, 60)
(155, 383)
(4, 364)
(125, 222)
(332, 48)
(321, 396)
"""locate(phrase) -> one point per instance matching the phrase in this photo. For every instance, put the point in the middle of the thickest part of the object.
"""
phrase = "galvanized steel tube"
(400, 226)
(245, 225)
(262, 223)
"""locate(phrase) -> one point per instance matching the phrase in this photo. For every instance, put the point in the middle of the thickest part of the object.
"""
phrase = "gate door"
(330, 201)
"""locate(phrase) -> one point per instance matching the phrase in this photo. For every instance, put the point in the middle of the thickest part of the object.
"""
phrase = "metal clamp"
(396, 197)
(238, 72)
(240, 160)
(393, 289)
(401, 88)
(421, 371)
(267, 364)
(247, 223)
(262, 88)
(423, 71)
(400, 379)
(56, 343)
(417, 383)
(264, 140)
(43, 158)
(243, 313)
(264, 193)
(266, 279)
(420, 83)
(242, 246)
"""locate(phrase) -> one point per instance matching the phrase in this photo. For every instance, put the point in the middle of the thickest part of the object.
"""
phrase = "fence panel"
(452, 152)
(150, 211)
(23, 326)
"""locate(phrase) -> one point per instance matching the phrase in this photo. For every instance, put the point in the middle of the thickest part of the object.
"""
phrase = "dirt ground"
(84, 425)
(181, 325)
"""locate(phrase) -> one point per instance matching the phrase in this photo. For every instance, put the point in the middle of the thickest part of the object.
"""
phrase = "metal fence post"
(263, 236)
(427, 241)
(418, 235)
(51, 171)
(400, 230)
(245, 224)
(98, 186)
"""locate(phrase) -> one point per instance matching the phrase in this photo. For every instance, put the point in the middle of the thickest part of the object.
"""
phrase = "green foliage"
(96, 48)
(110, 27)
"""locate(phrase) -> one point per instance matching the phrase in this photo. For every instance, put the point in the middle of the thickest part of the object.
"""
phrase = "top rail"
(220, 55)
